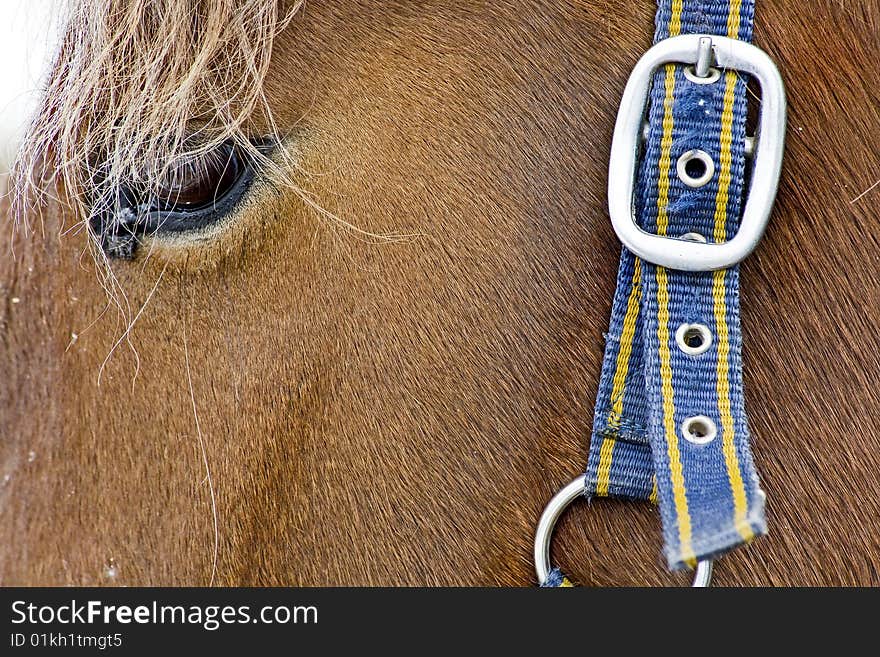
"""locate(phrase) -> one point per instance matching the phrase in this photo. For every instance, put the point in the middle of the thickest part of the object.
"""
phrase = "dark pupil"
(200, 182)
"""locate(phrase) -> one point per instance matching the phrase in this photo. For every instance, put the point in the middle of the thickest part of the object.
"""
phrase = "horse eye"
(199, 182)
(193, 193)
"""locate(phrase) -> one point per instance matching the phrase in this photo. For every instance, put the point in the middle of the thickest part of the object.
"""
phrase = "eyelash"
(119, 229)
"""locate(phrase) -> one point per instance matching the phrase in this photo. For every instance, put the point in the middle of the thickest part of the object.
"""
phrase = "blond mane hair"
(139, 86)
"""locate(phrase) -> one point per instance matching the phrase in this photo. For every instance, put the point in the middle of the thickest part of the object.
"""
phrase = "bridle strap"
(708, 493)
(670, 423)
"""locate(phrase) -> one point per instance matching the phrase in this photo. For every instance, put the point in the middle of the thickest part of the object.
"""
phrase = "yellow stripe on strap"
(665, 151)
(603, 474)
(606, 452)
(733, 19)
(719, 293)
(675, 19)
(626, 343)
(740, 503)
(676, 470)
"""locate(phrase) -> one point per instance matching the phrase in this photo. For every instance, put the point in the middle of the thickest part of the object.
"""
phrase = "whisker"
(210, 481)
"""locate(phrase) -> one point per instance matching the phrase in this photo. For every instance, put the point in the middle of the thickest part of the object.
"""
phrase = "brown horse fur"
(296, 403)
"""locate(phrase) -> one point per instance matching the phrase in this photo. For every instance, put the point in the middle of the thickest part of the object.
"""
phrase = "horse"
(378, 365)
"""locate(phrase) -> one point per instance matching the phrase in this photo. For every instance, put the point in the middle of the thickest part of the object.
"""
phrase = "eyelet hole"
(694, 237)
(691, 74)
(693, 339)
(695, 168)
(699, 430)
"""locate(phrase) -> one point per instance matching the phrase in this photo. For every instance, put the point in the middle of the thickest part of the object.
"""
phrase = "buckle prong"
(704, 57)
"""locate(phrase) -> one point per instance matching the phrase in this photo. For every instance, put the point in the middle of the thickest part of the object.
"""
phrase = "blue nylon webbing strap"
(708, 494)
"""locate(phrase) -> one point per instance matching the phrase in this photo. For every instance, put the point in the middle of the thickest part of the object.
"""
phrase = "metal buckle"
(672, 252)
(547, 523)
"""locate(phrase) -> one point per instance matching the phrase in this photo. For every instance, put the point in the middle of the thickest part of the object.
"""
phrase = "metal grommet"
(694, 237)
(699, 430)
(691, 74)
(693, 339)
(695, 168)
(547, 523)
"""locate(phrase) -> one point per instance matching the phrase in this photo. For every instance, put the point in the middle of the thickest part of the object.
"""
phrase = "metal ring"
(554, 509)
